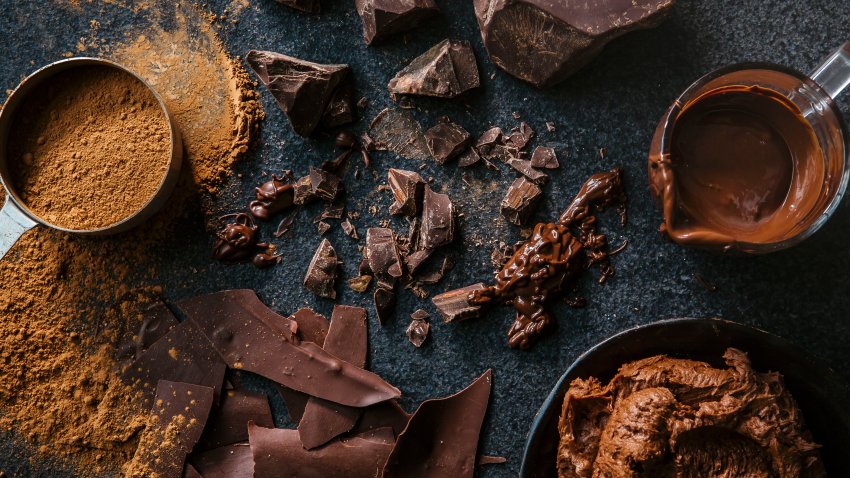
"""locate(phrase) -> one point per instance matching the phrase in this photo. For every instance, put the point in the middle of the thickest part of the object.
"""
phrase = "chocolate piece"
(278, 454)
(360, 284)
(398, 131)
(323, 227)
(309, 93)
(520, 136)
(231, 461)
(384, 303)
(437, 220)
(488, 140)
(157, 320)
(333, 211)
(181, 355)
(347, 339)
(294, 401)
(519, 202)
(544, 157)
(176, 421)
(246, 343)
(447, 70)
(413, 261)
(286, 223)
(550, 126)
(387, 414)
(407, 188)
(312, 326)
(303, 191)
(544, 42)
(524, 167)
(384, 18)
(383, 257)
(349, 229)
(441, 439)
(325, 186)
(420, 314)
(454, 305)
(273, 196)
(417, 332)
(262, 260)
(468, 158)
(446, 140)
(229, 423)
(322, 272)
(309, 6)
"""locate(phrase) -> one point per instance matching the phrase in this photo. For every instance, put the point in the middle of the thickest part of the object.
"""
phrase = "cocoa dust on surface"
(92, 146)
(65, 301)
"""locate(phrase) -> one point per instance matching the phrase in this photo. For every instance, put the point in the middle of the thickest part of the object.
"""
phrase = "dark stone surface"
(613, 103)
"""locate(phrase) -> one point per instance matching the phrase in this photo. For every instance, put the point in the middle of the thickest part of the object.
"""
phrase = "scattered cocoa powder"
(65, 300)
(91, 148)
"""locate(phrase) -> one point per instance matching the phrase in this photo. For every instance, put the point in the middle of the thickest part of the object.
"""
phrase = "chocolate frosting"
(666, 417)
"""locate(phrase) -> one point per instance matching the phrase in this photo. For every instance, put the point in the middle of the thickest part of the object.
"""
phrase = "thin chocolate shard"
(231, 461)
(417, 332)
(322, 272)
(278, 454)
(294, 401)
(323, 227)
(468, 158)
(575, 32)
(446, 140)
(437, 220)
(157, 320)
(407, 188)
(382, 415)
(181, 355)
(454, 305)
(524, 167)
(384, 303)
(245, 343)
(333, 211)
(360, 284)
(307, 92)
(446, 70)
(349, 229)
(347, 339)
(484, 460)
(488, 139)
(520, 136)
(303, 191)
(176, 422)
(544, 157)
(383, 256)
(519, 202)
(309, 6)
(229, 423)
(420, 314)
(384, 18)
(398, 131)
(326, 186)
(441, 439)
(312, 326)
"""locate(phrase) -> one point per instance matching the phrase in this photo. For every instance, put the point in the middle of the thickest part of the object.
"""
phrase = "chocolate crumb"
(407, 188)
(524, 167)
(349, 229)
(323, 227)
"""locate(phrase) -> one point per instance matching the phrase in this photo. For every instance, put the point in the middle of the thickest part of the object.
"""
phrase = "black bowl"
(823, 396)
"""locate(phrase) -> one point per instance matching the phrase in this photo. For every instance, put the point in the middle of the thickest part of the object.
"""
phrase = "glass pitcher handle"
(833, 75)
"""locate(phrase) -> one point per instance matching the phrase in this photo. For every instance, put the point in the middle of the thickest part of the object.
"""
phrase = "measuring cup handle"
(13, 224)
(833, 75)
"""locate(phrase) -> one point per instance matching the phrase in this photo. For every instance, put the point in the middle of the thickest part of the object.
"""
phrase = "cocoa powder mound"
(91, 148)
(66, 300)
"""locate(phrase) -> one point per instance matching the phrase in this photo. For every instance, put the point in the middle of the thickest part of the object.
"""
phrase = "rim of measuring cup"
(826, 214)
(19, 97)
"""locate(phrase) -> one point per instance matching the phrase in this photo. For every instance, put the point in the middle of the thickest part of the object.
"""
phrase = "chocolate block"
(520, 136)
(447, 70)
(520, 201)
(437, 220)
(446, 140)
(309, 6)
(543, 41)
(544, 157)
(407, 188)
(384, 18)
(454, 305)
(309, 93)
(322, 271)
(157, 320)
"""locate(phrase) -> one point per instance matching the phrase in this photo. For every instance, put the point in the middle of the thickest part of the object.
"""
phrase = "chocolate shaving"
(446, 140)
(384, 18)
(322, 271)
(544, 157)
(417, 332)
(454, 305)
(384, 303)
(398, 131)
(407, 188)
(520, 136)
(231, 461)
(446, 70)
(286, 223)
(437, 220)
(228, 424)
(519, 202)
(524, 168)
(349, 229)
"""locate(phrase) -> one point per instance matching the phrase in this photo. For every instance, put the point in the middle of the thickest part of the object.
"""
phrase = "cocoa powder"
(91, 147)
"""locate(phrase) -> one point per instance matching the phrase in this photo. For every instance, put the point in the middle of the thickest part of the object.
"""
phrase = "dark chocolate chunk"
(447, 70)
(323, 227)
(519, 202)
(384, 18)
(488, 139)
(468, 158)
(229, 423)
(420, 314)
(286, 223)
(273, 196)
(347, 339)
(384, 303)
(544, 157)
(544, 42)
(246, 343)
(524, 167)
(181, 355)
(437, 220)
(303, 191)
(322, 271)
(157, 320)
(454, 305)
(263, 260)
(447, 140)
(360, 284)
(349, 229)
(309, 93)
(441, 439)
(520, 136)
(326, 186)
(407, 188)
(550, 126)
(417, 332)
(398, 131)
(383, 257)
(278, 454)
(176, 421)
(309, 6)
(413, 261)
(231, 461)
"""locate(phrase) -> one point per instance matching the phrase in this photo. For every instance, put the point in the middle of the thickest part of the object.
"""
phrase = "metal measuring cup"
(16, 218)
